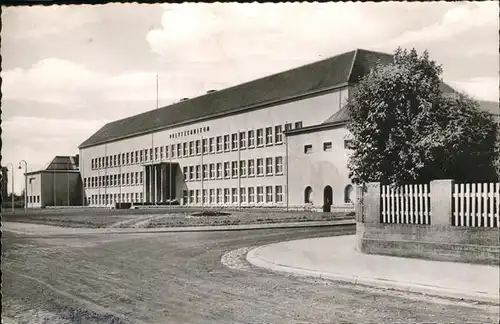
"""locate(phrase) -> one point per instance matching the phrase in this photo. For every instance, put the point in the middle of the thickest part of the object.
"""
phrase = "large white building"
(229, 147)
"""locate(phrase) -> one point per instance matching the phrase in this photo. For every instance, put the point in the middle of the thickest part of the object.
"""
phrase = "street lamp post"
(25, 184)
(12, 193)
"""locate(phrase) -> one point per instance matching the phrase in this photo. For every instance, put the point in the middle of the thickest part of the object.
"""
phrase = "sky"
(68, 70)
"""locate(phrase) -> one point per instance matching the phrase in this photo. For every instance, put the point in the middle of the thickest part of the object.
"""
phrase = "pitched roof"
(342, 115)
(60, 163)
(326, 74)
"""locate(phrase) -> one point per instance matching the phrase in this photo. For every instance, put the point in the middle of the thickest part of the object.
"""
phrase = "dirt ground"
(163, 217)
(179, 278)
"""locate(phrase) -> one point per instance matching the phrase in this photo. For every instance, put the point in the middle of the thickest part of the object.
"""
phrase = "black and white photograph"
(250, 163)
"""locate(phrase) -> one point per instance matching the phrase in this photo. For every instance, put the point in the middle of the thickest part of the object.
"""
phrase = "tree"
(404, 129)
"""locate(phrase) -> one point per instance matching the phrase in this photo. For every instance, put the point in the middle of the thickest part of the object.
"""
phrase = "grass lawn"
(163, 217)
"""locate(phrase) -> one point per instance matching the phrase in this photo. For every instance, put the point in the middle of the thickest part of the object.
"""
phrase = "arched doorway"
(308, 195)
(327, 199)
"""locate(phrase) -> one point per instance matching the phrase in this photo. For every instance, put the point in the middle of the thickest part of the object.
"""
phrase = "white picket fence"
(476, 204)
(407, 204)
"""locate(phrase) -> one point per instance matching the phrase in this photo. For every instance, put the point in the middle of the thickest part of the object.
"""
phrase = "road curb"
(254, 258)
(61, 230)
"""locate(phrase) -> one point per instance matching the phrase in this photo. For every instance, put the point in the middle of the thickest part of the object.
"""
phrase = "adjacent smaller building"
(57, 184)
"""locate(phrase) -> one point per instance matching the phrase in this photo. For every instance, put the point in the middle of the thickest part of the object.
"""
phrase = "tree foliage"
(404, 129)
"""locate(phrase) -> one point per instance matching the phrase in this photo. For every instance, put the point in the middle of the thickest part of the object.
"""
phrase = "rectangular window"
(226, 195)
(85, 182)
(198, 172)
(191, 148)
(219, 143)
(115, 163)
(243, 141)
(184, 197)
(141, 156)
(308, 149)
(166, 152)
(269, 194)
(191, 196)
(234, 141)
(205, 171)
(185, 171)
(136, 156)
(172, 150)
(115, 179)
(278, 164)
(185, 149)
(269, 135)
(128, 158)
(269, 166)
(278, 134)
(260, 194)
(204, 196)
(205, 146)
(145, 156)
(142, 197)
(234, 195)
(243, 168)
(298, 125)
(251, 195)
(128, 178)
(219, 195)
(107, 161)
(156, 154)
(162, 156)
(260, 137)
(260, 166)
(226, 142)
(227, 170)
(191, 173)
(219, 170)
(212, 170)
(179, 150)
(123, 179)
(198, 147)
(234, 168)
(327, 146)
(243, 195)
(251, 168)
(279, 194)
(288, 126)
(150, 154)
(141, 179)
(212, 144)
(198, 196)
(251, 138)
(212, 196)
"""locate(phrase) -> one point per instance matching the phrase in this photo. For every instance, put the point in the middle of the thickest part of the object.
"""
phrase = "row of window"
(250, 195)
(34, 199)
(129, 178)
(230, 142)
(327, 146)
(250, 168)
(110, 199)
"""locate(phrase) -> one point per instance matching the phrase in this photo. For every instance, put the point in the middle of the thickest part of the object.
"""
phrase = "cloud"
(67, 83)
(457, 20)
(39, 21)
(484, 88)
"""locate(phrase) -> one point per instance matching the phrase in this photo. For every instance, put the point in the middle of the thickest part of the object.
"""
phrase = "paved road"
(179, 278)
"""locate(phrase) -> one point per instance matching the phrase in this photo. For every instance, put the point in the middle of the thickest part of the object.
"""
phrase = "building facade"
(243, 146)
